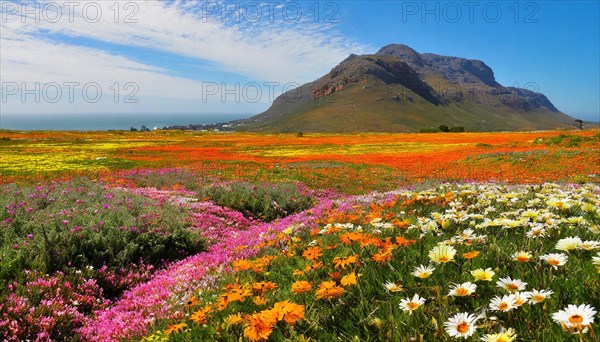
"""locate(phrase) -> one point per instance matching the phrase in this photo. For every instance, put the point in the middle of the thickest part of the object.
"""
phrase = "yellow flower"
(350, 279)
(507, 336)
(259, 301)
(483, 275)
(442, 253)
(234, 319)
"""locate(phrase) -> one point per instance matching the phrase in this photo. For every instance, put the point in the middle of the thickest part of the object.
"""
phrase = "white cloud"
(265, 50)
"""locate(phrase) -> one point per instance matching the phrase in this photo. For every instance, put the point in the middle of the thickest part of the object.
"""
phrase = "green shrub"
(457, 129)
(264, 201)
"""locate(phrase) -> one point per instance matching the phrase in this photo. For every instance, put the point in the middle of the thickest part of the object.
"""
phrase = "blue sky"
(227, 57)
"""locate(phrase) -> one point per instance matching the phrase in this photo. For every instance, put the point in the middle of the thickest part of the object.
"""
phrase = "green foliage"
(262, 201)
(429, 130)
(457, 129)
(81, 224)
(444, 128)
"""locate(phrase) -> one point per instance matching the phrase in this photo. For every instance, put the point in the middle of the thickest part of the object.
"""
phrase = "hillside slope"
(399, 90)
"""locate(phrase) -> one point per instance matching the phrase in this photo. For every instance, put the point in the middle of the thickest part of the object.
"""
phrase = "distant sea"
(103, 122)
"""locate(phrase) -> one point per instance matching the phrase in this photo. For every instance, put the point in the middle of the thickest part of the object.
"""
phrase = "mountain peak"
(402, 51)
(398, 89)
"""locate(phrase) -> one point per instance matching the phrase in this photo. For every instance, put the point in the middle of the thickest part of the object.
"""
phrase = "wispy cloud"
(269, 49)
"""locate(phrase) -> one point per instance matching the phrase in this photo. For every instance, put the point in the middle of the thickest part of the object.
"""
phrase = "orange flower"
(192, 301)
(263, 287)
(200, 315)
(470, 255)
(343, 262)
(350, 237)
(313, 253)
(298, 273)
(335, 275)
(233, 293)
(242, 265)
(401, 241)
(175, 328)
(301, 287)
(259, 326)
(290, 312)
(349, 279)
(329, 290)
(330, 247)
(383, 256)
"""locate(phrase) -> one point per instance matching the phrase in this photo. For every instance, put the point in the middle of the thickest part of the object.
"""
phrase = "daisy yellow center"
(575, 319)
(554, 262)
(444, 258)
(502, 339)
(520, 301)
(463, 327)
(462, 291)
(412, 305)
(538, 298)
(503, 306)
(512, 286)
(537, 232)
(522, 258)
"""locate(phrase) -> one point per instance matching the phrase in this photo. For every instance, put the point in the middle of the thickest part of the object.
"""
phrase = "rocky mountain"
(398, 89)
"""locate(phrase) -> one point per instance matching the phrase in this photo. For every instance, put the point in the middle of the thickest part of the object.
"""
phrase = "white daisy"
(422, 271)
(511, 285)
(442, 253)
(393, 287)
(504, 303)
(522, 256)
(461, 325)
(589, 245)
(410, 305)
(575, 318)
(536, 296)
(462, 290)
(521, 298)
(596, 262)
(568, 244)
(536, 231)
(555, 259)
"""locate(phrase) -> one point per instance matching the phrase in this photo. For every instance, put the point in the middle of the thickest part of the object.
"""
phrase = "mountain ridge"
(398, 89)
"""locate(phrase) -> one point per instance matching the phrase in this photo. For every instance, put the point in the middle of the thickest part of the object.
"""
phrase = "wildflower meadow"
(179, 236)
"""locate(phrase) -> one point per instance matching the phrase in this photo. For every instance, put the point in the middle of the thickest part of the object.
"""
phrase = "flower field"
(180, 236)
